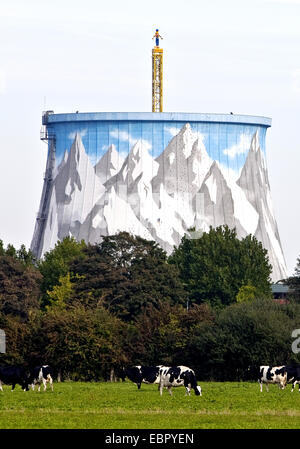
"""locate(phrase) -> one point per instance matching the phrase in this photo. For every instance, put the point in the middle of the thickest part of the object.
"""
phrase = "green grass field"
(78, 405)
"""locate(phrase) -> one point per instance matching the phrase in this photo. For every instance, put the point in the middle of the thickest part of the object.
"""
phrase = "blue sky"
(68, 55)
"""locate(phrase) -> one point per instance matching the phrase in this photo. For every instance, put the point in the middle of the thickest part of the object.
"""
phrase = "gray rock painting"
(160, 199)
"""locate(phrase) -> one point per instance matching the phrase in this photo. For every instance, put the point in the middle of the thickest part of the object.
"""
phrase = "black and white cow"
(41, 375)
(272, 375)
(12, 375)
(293, 375)
(177, 376)
(142, 373)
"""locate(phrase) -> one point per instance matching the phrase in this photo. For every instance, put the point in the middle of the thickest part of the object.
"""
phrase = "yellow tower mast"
(157, 75)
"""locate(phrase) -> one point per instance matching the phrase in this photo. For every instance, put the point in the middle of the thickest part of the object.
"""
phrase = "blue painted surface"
(226, 137)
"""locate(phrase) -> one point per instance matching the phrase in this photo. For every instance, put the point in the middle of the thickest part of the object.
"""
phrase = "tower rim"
(161, 116)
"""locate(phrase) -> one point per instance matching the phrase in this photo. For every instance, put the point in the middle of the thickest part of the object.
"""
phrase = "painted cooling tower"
(155, 175)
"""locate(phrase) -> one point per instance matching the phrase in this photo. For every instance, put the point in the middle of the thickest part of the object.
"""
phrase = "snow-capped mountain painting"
(160, 195)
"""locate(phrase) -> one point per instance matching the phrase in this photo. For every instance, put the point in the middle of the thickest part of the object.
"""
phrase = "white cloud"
(239, 148)
(125, 137)
(173, 131)
(82, 133)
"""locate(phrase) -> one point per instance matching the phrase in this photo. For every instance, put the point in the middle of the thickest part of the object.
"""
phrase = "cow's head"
(26, 381)
(198, 390)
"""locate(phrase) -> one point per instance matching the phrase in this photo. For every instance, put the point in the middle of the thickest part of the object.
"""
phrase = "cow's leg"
(267, 387)
(13, 387)
(1, 389)
(261, 386)
(39, 387)
(45, 384)
(51, 383)
(187, 391)
(161, 388)
(32, 387)
(170, 390)
(294, 385)
(139, 385)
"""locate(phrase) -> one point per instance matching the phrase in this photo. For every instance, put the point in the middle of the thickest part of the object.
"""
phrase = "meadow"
(103, 405)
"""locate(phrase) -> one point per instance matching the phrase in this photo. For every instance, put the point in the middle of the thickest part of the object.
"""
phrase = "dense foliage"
(89, 310)
(215, 266)
(125, 274)
(294, 283)
(55, 264)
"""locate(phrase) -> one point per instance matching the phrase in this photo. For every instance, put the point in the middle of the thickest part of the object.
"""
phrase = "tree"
(61, 293)
(19, 287)
(22, 255)
(216, 265)
(16, 332)
(56, 263)
(245, 335)
(246, 293)
(82, 344)
(293, 283)
(125, 273)
(25, 256)
(163, 332)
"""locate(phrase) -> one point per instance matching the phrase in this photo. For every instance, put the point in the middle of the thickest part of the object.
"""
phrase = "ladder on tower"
(47, 136)
(157, 79)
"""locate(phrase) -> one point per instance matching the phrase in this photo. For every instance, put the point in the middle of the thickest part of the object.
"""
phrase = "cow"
(177, 376)
(293, 375)
(12, 375)
(41, 375)
(142, 373)
(272, 375)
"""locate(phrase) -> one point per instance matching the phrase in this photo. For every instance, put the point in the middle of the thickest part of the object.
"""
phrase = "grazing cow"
(140, 373)
(41, 374)
(293, 375)
(177, 376)
(13, 375)
(272, 375)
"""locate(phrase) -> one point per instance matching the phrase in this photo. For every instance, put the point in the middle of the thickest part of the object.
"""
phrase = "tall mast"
(157, 75)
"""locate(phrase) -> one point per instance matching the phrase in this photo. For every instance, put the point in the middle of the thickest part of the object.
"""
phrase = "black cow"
(140, 373)
(177, 376)
(12, 375)
(293, 375)
(41, 375)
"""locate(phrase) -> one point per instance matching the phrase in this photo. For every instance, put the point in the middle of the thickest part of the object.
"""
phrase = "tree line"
(89, 310)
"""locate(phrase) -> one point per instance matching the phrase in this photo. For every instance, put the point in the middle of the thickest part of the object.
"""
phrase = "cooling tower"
(155, 175)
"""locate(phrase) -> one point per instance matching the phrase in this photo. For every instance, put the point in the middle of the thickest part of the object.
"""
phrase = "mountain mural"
(161, 197)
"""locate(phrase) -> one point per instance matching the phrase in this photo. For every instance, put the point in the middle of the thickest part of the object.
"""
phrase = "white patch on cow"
(268, 375)
(42, 380)
(168, 380)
